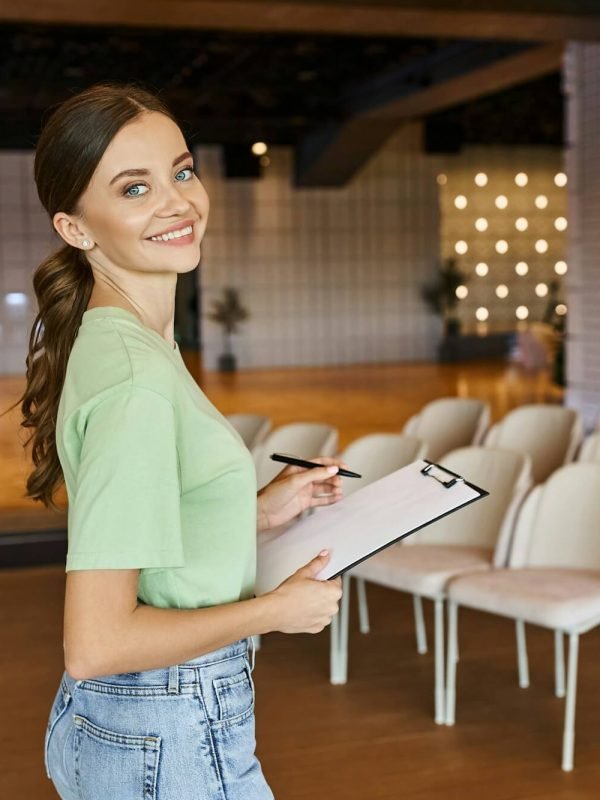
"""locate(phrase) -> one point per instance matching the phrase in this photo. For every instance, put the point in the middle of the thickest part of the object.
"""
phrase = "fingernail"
(324, 553)
(332, 470)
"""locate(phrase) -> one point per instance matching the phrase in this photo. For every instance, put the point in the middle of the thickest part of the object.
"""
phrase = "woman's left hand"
(297, 488)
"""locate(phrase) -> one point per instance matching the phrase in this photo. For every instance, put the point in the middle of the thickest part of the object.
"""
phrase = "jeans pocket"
(59, 706)
(235, 697)
(114, 765)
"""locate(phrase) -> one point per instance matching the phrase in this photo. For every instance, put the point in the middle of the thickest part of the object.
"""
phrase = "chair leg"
(569, 730)
(522, 661)
(338, 638)
(363, 608)
(334, 649)
(559, 666)
(420, 624)
(451, 663)
(440, 698)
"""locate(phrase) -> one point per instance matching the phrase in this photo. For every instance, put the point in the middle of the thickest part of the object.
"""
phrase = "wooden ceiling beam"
(352, 18)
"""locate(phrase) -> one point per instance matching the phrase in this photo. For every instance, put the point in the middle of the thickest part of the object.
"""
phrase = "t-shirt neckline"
(98, 312)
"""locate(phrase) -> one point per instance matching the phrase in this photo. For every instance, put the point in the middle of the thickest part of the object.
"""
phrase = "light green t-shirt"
(157, 478)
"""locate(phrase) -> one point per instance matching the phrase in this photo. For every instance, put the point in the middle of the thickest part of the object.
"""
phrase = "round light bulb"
(461, 247)
(462, 292)
(502, 246)
(541, 201)
(522, 268)
(501, 201)
(482, 269)
(521, 224)
(259, 148)
(482, 314)
(541, 246)
(522, 312)
(521, 179)
(561, 224)
(560, 179)
(481, 179)
(481, 224)
(502, 291)
(561, 268)
(460, 201)
(561, 309)
(541, 290)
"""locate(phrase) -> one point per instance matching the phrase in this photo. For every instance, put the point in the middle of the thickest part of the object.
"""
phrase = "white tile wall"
(582, 86)
(329, 276)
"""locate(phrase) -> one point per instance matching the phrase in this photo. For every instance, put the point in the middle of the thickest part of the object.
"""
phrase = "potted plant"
(228, 312)
(441, 297)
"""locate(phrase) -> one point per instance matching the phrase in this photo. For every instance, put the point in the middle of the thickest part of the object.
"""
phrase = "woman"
(157, 697)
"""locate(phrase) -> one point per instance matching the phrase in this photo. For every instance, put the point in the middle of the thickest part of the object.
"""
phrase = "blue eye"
(187, 172)
(136, 190)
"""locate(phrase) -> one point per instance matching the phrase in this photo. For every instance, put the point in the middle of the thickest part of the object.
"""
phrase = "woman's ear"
(69, 228)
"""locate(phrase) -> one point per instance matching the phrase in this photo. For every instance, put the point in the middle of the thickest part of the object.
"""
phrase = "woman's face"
(144, 208)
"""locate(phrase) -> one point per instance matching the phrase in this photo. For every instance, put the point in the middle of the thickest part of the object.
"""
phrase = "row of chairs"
(526, 448)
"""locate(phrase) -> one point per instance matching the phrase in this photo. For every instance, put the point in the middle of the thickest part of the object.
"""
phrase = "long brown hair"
(69, 149)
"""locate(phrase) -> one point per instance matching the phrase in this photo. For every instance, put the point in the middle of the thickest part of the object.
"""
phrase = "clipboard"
(364, 523)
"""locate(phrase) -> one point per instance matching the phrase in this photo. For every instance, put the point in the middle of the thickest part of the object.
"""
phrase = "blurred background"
(405, 209)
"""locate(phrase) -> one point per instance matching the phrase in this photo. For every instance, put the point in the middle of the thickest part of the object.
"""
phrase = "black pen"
(300, 462)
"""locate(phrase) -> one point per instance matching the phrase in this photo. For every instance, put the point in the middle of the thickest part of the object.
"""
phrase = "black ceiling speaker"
(240, 162)
(443, 135)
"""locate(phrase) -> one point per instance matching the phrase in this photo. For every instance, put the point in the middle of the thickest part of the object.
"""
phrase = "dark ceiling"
(230, 87)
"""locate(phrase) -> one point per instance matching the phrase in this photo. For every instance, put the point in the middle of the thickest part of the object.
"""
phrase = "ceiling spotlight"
(502, 246)
(16, 299)
(522, 312)
(502, 291)
(259, 148)
(482, 314)
(522, 268)
(541, 246)
(521, 224)
(442, 179)
(481, 224)
(461, 292)
(481, 179)
(561, 268)
(560, 179)
(521, 179)
(501, 201)
(460, 201)
(560, 223)
(541, 290)
(541, 201)
(461, 247)
(561, 309)
(482, 269)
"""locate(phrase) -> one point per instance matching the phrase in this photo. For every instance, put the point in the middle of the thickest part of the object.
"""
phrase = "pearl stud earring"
(86, 243)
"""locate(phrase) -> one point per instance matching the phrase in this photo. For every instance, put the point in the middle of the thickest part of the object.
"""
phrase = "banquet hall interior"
(402, 262)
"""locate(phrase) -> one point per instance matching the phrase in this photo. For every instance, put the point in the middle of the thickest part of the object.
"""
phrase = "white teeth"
(166, 237)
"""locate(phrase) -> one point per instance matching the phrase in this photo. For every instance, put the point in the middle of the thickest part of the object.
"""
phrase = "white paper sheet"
(361, 524)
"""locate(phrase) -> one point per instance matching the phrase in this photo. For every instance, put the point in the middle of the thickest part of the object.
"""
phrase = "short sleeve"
(125, 513)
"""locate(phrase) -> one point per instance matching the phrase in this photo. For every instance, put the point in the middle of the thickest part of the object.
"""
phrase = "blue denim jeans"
(181, 733)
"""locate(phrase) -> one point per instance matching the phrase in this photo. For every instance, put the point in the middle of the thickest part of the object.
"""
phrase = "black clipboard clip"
(447, 484)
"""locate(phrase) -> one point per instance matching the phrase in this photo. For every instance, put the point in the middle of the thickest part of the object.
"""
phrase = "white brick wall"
(582, 85)
(329, 276)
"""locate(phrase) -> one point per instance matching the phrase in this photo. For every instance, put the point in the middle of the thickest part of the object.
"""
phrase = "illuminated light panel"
(482, 269)
(460, 201)
(461, 247)
(501, 201)
(541, 290)
(521, 179)
(561, 268)
(541, 201)
(541, 246)
(481, 224)
(561, 224)
(502, 291)
(522, 268)
(560, 179)
(462, 292)
(561, 309)
(522, 312)
(502, 246)
(259, 148)
(521, 224)
(482, 314)
(481, 179)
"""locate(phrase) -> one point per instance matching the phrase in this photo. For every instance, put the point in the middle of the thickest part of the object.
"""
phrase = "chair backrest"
(559, 523)
(549, 435)
(303, 439)
(449, 423)
(376, 455)
(253, 428)
(506, 475)
(590, 450)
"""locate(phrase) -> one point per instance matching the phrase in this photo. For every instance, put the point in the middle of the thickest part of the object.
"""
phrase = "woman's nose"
(172, 200)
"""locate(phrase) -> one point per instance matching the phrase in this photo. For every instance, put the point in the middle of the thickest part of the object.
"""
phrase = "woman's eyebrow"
(136, 173)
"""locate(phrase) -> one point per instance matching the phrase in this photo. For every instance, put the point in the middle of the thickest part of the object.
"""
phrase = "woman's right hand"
(305, 603)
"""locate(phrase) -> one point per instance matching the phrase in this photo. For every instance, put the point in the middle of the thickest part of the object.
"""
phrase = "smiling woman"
(163, 508)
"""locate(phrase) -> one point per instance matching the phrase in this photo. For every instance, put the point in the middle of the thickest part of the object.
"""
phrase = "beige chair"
(373, 456)
(550, 435)
(552, 579)
(472, 539)
(303, 439)
(449, 423)
(590, 450)
(253, 428)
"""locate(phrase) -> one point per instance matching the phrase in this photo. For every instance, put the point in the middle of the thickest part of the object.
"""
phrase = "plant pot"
(227, 363)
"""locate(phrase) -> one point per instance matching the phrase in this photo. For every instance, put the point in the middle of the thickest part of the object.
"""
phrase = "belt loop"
(173, 680)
